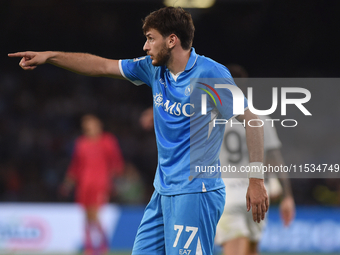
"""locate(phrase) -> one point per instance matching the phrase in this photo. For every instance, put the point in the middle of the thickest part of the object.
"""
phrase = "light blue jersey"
(185, 137)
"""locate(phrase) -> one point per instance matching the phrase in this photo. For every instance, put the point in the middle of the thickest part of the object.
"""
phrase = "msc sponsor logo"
(177, 109)
(173, 108)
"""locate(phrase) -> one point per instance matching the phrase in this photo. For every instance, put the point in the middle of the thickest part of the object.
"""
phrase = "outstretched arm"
(257, 197)
(81, 63)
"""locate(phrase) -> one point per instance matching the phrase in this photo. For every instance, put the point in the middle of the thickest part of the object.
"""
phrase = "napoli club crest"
(187, 91)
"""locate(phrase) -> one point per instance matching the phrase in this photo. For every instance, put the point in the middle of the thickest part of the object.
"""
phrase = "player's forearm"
(81, 63)
(254, 137)
(286, 186)
(274, 158)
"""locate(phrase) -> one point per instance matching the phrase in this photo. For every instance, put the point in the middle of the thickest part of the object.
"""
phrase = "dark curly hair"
(172, 20)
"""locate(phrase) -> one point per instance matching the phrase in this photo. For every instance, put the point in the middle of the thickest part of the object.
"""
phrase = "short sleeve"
(137, 70)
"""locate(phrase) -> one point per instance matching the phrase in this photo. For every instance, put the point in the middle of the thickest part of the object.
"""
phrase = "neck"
(178, 60)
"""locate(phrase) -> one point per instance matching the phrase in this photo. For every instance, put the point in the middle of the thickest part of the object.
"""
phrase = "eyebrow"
(148, 34)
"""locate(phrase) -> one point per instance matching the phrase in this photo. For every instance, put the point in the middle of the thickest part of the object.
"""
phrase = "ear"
(173, 40)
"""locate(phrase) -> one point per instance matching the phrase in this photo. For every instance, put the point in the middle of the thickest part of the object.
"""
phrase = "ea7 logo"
(184, 252)
(238, 100)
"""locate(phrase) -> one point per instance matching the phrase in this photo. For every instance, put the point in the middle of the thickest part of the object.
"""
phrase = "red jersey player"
(96, 159)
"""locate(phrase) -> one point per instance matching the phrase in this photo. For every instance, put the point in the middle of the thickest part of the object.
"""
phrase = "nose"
(146, 46)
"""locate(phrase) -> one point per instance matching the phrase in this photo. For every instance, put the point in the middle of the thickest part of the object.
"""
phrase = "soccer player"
(236, 232)
(96, 160)
(183, 212)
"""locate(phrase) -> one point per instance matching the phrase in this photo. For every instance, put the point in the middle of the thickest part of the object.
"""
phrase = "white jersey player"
(236, 231)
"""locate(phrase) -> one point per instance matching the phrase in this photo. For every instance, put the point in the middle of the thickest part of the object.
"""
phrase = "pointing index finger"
(18, 54)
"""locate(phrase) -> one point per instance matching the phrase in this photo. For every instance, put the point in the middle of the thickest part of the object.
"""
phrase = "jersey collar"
(192, 59)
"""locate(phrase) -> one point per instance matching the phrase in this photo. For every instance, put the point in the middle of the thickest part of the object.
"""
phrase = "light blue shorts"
(180, 225)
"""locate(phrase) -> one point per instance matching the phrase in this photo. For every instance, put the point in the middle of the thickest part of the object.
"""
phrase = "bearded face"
(162, 57)
(156, 47)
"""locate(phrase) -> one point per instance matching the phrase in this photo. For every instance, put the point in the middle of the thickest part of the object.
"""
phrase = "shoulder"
(145, 60)
(212, 68)
(138, 70)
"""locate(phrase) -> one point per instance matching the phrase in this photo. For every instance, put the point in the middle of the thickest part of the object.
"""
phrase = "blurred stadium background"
(40, 113)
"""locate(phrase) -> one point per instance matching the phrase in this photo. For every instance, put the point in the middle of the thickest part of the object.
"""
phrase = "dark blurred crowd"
(41, 122)
(40, 110)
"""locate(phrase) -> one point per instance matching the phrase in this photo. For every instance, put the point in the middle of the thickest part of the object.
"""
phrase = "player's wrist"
(256, 170)
(287, 197)
(50, 56)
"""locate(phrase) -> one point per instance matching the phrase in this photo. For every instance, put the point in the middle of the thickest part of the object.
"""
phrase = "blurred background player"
(236, 232)
(96, 160)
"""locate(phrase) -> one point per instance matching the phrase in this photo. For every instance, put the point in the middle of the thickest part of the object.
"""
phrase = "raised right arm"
(81, 63)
